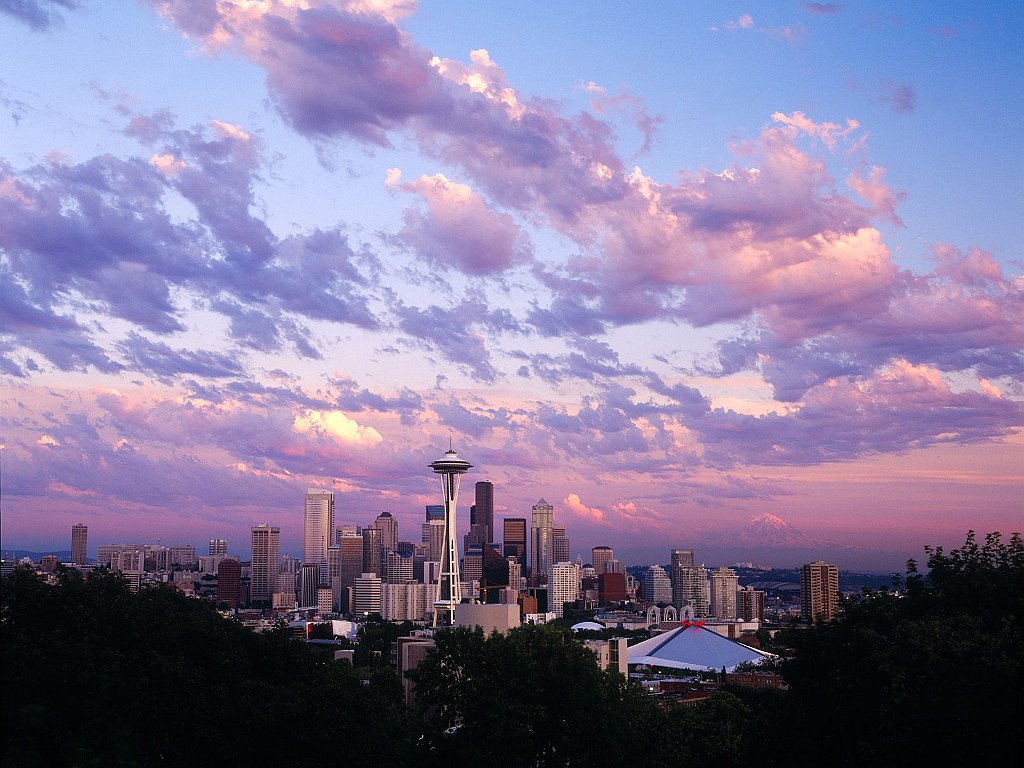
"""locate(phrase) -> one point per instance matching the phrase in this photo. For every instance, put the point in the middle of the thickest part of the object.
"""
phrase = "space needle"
(451, 468)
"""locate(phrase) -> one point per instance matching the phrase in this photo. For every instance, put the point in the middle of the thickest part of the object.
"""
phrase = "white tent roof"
(694, 647)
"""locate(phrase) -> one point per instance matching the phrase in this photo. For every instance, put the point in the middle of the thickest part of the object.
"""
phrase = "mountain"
(768, 537)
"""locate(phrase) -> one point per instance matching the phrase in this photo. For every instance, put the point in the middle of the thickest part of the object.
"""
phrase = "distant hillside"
(64, 555)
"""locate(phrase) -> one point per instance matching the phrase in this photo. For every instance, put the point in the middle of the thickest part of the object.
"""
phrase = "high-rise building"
(79, 543)
(681, 558)
(563, 586)
(819, 591)
(350, 548)
(541, 543)
(514, 538)
(310, 585)
(317, 529)
(433, 537)
(724, 584)
(559, 545)
(388, 531)
(692, 589)
(657, 585)
(599, 557)
(485, 508)
(373, 551)
(263, 572)
(218, 548)
(750, 604)
(229, 581)
(397, 567)
(366, 594)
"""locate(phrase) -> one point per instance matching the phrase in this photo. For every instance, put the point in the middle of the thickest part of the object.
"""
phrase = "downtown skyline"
(668, 268)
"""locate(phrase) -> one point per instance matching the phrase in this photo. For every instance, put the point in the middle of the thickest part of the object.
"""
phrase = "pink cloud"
(575, 505)
(459, 229)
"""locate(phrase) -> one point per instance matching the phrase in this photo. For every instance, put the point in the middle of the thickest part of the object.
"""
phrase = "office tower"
(229, 581)
(819, 591)
(435, 512)
(559, 545)
(450, 468)
(514, 538)
(473, 563)
(317, 528)
(264, 568)
(692, 589)
(373, 552)
(750, 604)
(218, 548)
(366, 594)
(563, 586)
(657, 585)
(541, 543)
(600, 557)
(79, 542)
(310, 584)
(681, 558)
(289, 564)
(433, 537)
(485, 508)
(724, 584)
(388, 531)
(397, 567)
(334, 573)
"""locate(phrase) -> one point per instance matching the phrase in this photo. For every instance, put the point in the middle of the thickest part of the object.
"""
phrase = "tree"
(928, 672)
(532, 697)
(96, 675)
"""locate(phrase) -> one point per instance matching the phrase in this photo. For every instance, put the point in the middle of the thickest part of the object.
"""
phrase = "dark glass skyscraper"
(514, 539)
(485, 508)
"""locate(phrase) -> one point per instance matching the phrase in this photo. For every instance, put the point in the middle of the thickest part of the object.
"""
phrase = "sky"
(670, 266)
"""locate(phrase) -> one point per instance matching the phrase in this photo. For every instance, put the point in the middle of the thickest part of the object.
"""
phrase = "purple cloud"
(458, 229)
(40, 16)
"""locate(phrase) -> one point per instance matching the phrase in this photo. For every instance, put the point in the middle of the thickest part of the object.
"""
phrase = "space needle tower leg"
(451, 468)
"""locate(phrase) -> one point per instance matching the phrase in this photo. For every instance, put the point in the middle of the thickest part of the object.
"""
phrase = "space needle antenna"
(449, 593)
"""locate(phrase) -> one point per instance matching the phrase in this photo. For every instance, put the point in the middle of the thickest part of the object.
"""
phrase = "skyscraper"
(318, 525)
(351, 548)
(263, 571)
(559, 545)
(600, 557)
(514, 538)
(485, 508)
(657, 585)
(750, 604)
(724, 583)
(691, 589)
(819, 591)
(218, 548)
(388, 531)
(542, 543)
(681, 558)
(563, 586)
(373, 551)
(229, 581)
(79, 543)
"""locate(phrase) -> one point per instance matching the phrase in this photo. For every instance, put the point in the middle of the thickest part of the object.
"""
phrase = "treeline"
(94, 675)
